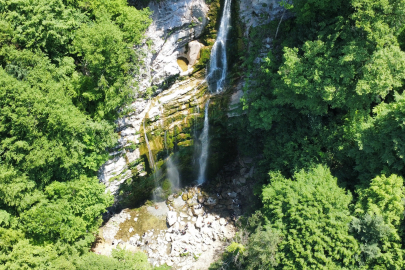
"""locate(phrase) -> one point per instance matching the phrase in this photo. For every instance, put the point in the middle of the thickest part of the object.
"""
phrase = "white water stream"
(173, 174)
(204, 138)
(218, 62)
(216, 81)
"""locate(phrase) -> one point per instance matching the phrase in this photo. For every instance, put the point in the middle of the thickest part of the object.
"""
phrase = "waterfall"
(204, 147)
(216, 81)
(218, 61)
(173, 174)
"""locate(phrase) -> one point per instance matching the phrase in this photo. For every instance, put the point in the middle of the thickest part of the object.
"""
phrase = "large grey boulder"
(193, 53)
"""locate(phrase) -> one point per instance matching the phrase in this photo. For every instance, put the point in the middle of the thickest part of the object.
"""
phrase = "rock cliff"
(175, 24)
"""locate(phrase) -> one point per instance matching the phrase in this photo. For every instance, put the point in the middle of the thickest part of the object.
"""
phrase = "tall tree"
(311, 214)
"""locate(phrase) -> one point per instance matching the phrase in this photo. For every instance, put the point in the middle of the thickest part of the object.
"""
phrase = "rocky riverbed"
(190, 229)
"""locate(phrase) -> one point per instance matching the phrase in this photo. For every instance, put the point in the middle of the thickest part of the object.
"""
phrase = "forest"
(324, 111)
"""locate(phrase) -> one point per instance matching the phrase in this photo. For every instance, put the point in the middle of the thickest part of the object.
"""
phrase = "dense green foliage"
(64, 72)
(311, 214)
(330, 92)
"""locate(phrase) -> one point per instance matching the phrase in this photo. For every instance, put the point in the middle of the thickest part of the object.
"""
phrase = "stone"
(183, 215)
(222, 221)
(211, 201)
(131, 229)
(184, 197)
(251, 171)
(198, 212)
(199, 222)
(178, 202)
(170, 198)
(242, 180)
(171, 218)
(242, 171)
(200, 199)
(232, 194)
(193, 52)
(229, 201)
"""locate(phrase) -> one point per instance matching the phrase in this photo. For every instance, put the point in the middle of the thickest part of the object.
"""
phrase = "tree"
(106, 66)
(379, 139)
(310, 212)
(380, 210)
(43, 24)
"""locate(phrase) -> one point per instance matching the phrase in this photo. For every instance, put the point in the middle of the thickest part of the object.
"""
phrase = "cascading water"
(204, 147)
(218, 62)
(173, 174)
(216, 80)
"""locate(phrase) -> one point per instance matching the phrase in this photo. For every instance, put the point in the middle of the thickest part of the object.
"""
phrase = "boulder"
(193, 52)
(171, 218)
(222, 221)
(198, 211)
(200, 199)
(232, 194)
(184, 196)
(198, 224)
(183, 215)
(168, 237)
(242, 180)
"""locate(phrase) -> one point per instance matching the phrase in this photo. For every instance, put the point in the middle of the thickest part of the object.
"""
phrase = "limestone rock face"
(175, 24)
